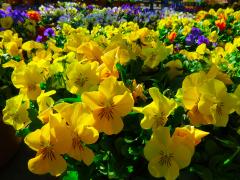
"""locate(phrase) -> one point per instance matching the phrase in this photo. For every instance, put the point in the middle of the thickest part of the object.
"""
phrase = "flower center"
(106, 112)
(160, 119)
(219, 109)
(47, 152)
(166, 159)
(76, 143)
(81, 80)
(31, 87)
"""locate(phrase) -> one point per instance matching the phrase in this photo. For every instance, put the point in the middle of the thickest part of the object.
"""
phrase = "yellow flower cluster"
(85, 65)
(205, 97)
(163, 152)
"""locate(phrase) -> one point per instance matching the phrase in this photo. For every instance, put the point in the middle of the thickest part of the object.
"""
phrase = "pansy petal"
(93, 99)
(89, 135)
(123, 104)
(57, 166)
(33, 140)
(87, 156)
(38, 165)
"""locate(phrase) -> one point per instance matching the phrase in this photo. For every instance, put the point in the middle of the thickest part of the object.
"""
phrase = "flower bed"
(126, 101)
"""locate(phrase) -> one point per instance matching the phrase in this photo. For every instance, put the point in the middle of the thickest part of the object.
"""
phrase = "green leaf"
(227, 143)
(122, 72)
(71, 175)
(230, 159)
(23, 132)
(43, 86)
(130, 169)
(17, 58)
(70, 100)
(32, 114)
(134, 68)
(202, 171)
(216, 162)
(211, 147)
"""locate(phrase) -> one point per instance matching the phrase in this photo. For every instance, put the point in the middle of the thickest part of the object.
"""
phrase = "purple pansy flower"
(2, 14)
(196, 32)
(39, 38)
(190, 39)
(18, 16)
(49, 32)
(203, 39)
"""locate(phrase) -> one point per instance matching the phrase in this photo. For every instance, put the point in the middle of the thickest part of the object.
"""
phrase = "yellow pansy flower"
(166, 155)
(146, 35)
(214, 72)
(138, 91)
(110, 59)
(82, 77)
(109, 104)
(189, 135)
(28, 79)
(50, 142)
(212, 12)
(42, 54)
(174, 68)
(67, 29)
(213, 36)
(217, 55)
(45, 104)
(12, 48)
(91, 51)
(202, 49)
(111, 31)
(80, 121)
(115, 55)
(75, 39)
(6, 35)
(30, 45)
(186, 30)
(229, 47)
(206, 23)
(215, 101)
(236, 41)
(156, 113)
(191, 96)
(154, 55)
(190, 55)
(15, 112)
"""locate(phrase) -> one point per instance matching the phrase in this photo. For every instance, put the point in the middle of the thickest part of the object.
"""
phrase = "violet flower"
(18, 16)
(2, 14)
(196, 32)
(190, 39)
(49, 32)
(203, 39)
(39, 38)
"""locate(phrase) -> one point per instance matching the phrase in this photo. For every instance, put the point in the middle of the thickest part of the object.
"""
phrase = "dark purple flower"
(18, 16)
(203, 39)
(39, 38)
(9, 9)
(49, 32)
(190, 39)
(125, 6)
(90, 7)
(196, 32)
(2, 14)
